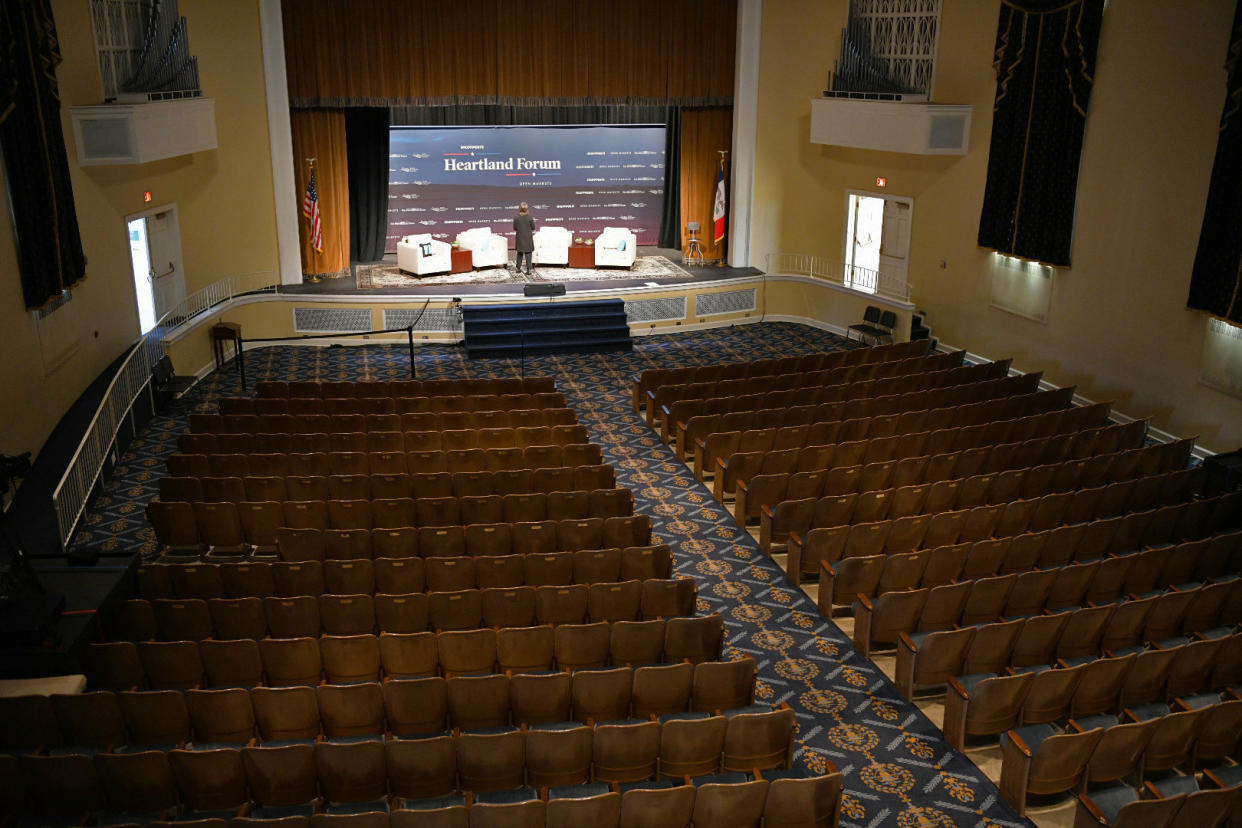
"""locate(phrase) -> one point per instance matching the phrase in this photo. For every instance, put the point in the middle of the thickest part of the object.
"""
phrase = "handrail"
(861, 279)
(74, 489)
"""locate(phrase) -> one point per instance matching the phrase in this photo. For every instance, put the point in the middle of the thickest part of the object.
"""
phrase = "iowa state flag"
(718, 210)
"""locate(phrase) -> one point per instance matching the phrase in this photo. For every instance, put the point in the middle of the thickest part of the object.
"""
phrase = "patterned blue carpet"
(898, 769)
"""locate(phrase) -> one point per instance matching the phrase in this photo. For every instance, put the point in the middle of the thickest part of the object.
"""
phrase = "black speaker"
(549, 289)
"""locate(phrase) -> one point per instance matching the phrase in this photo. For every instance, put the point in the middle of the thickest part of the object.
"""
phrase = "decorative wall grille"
(437, 320)
(732, 301)
(901, 36)
(143, 47)
(656, 310)
(331, 320)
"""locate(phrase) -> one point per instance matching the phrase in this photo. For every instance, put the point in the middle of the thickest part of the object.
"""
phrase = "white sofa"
(552, 245)
(616, 247)
(422, 255)
(487, 248)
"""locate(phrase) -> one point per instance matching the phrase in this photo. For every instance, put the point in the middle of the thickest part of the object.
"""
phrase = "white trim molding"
(745, 121)
(280, 136)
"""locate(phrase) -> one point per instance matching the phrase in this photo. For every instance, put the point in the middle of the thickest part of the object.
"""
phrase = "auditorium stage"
(610, 279)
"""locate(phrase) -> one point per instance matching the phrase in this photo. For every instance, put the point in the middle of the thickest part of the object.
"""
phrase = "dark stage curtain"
(670, 219)
(49, 246)
(421, 52)
(1216, 281)
(539, 115)
(1045, 60)
(366, 145)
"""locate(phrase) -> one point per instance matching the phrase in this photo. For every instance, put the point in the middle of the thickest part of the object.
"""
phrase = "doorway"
(155, 256)
(877, 241)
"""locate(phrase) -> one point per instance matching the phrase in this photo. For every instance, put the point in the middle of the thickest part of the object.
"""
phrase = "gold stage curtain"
(320, 134)
(703, 133)
(411, 52)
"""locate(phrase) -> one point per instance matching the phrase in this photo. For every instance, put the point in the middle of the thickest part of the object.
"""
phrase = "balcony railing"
(74, 490)
(861, 279)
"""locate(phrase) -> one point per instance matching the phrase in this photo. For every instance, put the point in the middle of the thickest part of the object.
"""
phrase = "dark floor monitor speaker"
(550, 289)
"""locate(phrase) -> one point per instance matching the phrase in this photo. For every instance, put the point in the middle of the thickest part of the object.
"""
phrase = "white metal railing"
(74, 489)
(861, 279)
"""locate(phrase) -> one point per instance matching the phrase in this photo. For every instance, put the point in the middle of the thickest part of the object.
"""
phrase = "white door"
(877, 241)
(164, 250)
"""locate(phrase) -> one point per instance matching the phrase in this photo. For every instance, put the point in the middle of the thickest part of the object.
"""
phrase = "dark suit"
(524, 238)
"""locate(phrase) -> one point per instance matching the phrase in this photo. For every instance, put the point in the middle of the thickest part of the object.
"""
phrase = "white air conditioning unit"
(137, 133)
(891, 126)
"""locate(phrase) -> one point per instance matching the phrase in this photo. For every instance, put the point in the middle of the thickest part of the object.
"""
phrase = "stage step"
(545, 328)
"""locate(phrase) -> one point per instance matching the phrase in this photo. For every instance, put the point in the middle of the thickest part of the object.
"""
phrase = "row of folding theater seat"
(1042, 566)
(953, 375)
(660, 399)
(569, 776)
(1062, 423)
(232, 529)
(311, 389)
(233, 422)
(391, 405)
(1084, 541)
(1193, 520)
(1021, 595)
(391, 576)
(180, 665)
(701, 433)
(366, 486)
(1015, 517)
(653, 378)
(176, 619)
(1101, 759)
(1025, 501)
(1102, 455)
(1024, 469)
(116, 721)
(241, 464)
(240, 435)
(916, 411)
(1148, 682)
(932, 656)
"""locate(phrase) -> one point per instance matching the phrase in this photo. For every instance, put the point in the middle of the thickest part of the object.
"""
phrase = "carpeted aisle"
(899, 771)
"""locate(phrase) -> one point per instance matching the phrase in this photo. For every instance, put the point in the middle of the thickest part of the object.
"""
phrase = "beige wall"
(1117, 325)
(225, 210)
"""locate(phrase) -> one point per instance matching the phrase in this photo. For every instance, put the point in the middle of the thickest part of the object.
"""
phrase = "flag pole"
(314, 279)
(720, 210)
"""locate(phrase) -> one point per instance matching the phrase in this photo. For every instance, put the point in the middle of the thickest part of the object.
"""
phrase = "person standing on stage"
(524, 235)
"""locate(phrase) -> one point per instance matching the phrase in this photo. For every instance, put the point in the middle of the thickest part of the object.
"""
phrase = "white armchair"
(616, 247)
(552, 245)
(487, 248)
(422, 255)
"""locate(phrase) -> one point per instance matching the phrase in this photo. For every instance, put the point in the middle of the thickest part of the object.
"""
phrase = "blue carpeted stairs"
(546, 328)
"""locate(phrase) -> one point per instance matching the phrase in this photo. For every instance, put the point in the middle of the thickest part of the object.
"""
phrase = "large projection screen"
(443, 180)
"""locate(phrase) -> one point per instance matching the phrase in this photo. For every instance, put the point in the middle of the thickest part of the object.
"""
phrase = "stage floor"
(347, 286)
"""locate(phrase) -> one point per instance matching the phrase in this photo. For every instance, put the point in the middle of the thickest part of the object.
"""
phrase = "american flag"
(719, 209)
(310, 209)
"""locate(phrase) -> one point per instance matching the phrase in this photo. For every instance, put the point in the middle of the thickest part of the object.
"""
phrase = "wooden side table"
(463, 261)
(582, 256)
(221, 333)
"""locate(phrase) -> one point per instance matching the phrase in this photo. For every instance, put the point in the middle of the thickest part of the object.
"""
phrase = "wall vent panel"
(332, 320)
(433, 320)
(731, 301)
(667, 309)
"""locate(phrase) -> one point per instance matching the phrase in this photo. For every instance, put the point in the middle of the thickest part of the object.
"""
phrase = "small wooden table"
(463, 260)
(221, 333)
(582, 256)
